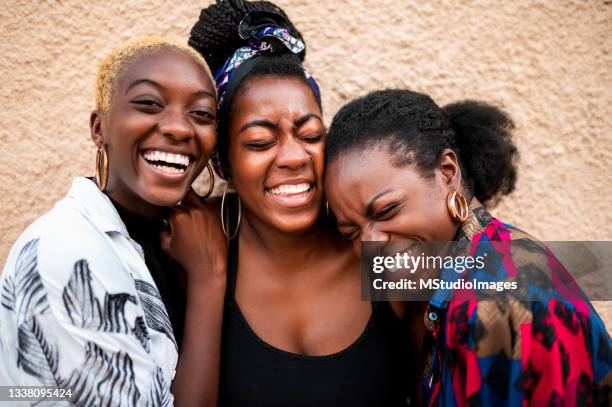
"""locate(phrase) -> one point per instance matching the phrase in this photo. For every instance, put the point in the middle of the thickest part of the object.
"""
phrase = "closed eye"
(259, 145)
(312, 138)
(350, 235)
(387, 211)
(146, 102)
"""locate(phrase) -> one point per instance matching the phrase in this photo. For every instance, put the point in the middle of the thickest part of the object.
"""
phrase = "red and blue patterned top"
(554, 352)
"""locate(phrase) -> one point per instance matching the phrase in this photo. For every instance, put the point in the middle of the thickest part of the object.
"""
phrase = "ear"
(450, 170)
(95, 127)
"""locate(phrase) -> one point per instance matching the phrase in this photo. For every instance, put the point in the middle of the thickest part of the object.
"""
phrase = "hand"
(196, 239)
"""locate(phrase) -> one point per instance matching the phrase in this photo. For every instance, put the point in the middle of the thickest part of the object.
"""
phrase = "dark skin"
(374, 200)
(202, 251)
(293, 267)
(165, 101)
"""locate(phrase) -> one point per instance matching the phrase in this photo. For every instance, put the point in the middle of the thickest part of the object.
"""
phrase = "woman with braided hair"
(295, 331)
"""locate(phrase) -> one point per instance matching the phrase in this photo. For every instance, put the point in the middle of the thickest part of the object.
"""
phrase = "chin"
(165, 197)
(297, 224)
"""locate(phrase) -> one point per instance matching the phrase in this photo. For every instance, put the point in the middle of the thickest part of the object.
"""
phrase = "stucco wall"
(549, 63)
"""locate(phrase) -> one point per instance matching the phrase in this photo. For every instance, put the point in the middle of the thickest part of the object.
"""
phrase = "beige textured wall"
(549, 63)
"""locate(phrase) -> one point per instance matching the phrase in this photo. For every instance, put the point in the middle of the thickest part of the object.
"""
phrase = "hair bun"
(483, 137)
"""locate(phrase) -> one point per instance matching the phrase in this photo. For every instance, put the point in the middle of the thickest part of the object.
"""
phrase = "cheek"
(207, 137)
(436, 222)
(249, 168)
(135, 123)
(121, 147)
(127, 130)
(318, 158)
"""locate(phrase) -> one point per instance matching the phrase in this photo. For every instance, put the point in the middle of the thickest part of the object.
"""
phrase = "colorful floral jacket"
(509, 352)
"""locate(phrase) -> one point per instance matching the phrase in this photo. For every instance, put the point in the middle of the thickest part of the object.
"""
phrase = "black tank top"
(373, 371)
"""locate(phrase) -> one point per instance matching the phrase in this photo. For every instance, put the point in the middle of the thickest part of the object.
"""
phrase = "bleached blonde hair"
(119, 59)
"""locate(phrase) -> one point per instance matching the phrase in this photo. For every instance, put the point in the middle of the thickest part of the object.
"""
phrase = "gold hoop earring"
(227, 235)
(457, 207)
(211, 175)
(102, 178)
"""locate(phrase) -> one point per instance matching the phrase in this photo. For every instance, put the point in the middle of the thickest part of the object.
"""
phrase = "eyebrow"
(204, 93)
(369, 207)
(271, 125)
(137, 82)
(299, 122)
(199, 93)
(258, 123)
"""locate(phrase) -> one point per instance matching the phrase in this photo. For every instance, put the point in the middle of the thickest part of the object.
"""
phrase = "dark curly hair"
(215, 36)
(417, 130)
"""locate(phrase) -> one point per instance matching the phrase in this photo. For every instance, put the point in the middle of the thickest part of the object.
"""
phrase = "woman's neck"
(137, 206)
(289, 248)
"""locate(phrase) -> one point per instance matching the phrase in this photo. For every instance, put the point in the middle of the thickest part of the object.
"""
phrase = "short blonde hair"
(115, 63)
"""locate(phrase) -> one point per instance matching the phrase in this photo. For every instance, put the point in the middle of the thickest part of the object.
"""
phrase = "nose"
(292, 153)
(369, 234)
(373, 234)
(176, 125)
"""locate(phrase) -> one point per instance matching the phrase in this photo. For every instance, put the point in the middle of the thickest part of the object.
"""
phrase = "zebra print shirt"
(79, 309)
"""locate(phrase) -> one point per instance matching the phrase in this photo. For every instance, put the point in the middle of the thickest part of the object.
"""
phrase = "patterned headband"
(258, 36)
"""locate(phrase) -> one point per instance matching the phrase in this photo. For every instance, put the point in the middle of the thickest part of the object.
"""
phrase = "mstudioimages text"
(405, 261)
(439, 284)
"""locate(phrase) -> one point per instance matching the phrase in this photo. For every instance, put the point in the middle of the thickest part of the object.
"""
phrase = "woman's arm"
(197, 376)
(534, 353)
(197, 242)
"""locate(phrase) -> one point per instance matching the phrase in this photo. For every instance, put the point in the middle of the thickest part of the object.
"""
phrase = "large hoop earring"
(457, 207)
(211, 175)
(102, 178)
(227, 235)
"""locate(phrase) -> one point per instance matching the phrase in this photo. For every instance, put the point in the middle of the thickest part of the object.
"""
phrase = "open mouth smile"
(292, 195)
(169, 164)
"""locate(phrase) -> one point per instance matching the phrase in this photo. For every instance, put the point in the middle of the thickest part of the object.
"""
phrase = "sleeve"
(80, 328)
(528, 353)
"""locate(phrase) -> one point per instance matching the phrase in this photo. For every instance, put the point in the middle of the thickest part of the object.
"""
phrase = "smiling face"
(275, 153)
(160, 130)
(374, 200)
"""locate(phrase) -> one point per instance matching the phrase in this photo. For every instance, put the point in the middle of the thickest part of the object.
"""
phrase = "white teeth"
(169, 170)
(156, 155)
(289, 189)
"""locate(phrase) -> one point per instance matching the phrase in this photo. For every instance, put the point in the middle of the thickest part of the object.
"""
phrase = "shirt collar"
(97, 206)
(478, 219)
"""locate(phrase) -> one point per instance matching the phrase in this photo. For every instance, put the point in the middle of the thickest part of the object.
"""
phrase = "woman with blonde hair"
(89, 302)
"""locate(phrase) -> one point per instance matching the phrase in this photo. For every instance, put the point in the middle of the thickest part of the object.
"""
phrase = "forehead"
(361, 171)
(269, 96)
(165, 64)
(352, 179)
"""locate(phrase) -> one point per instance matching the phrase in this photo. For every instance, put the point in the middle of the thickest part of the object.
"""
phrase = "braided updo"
(215, 36)
(416, 130)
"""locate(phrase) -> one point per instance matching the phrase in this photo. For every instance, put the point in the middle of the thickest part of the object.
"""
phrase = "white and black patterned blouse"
(80, 310)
